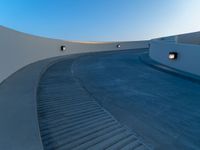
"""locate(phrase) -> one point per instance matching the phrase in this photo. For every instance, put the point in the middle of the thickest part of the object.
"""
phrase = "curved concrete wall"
(190, 38)
(188, 55)
(19, 49)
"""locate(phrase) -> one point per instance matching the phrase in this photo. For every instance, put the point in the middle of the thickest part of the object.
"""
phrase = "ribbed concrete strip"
(70, 118)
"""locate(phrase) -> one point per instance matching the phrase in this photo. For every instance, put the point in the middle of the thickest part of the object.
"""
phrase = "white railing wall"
(188, 55)
(19, 49)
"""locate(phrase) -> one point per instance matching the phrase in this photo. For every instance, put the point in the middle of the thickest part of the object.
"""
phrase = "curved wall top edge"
(18, 49)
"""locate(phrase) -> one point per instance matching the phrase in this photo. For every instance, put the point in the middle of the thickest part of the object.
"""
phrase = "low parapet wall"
(19, 49)
(190, 38)
(188, 59)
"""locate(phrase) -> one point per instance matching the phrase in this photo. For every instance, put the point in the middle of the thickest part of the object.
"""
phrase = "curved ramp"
(79, 99)
(70, 118)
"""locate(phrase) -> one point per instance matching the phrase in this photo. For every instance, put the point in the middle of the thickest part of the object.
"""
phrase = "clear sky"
(101, 20)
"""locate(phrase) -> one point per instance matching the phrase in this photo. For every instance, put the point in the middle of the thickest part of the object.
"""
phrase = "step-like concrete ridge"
(70, 118)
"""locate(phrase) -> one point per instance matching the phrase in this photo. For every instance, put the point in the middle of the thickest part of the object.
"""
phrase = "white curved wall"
(188, 55)
(19, 49)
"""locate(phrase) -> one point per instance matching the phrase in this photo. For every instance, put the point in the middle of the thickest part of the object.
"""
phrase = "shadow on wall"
(191, 38)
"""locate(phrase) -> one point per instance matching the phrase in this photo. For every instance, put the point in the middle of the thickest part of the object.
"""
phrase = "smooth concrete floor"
(160, 107)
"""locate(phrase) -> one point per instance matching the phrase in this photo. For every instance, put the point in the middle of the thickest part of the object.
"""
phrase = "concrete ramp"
(70, 118)
(118, 100)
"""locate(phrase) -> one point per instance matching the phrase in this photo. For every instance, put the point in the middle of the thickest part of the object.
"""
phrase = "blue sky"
(101, 20)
